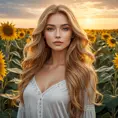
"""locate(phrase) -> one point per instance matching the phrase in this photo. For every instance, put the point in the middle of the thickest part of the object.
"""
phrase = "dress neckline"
(52, 86)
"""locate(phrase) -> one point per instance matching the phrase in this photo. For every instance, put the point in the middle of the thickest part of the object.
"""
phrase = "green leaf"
(104, 69)
(107, 87)
(113, 103)
(15, 44)
(1, 90)
(106, 115)
(16, 61)
(107, 98)
(15, 70)
(105, 77)
(15, 53)
(13, 86)
(116, 91)
(15, 80)
(13, 114)
(110, 101)
(4, 115)
(11, 91)
(99, 108)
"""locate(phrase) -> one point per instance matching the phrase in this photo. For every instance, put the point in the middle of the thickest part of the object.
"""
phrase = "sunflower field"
(104, 46)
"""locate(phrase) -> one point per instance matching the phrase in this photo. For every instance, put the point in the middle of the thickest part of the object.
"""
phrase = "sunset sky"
(91, 14)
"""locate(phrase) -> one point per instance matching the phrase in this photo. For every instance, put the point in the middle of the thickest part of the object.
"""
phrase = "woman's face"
(58, 29)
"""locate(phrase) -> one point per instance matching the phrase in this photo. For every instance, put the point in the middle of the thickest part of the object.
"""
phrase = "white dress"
(52, 103)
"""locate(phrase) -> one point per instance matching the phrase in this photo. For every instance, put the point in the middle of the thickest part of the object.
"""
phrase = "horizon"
(97, 14)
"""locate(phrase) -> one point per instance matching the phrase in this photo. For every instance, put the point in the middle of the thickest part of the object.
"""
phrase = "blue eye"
(66, 29)
(49, 28)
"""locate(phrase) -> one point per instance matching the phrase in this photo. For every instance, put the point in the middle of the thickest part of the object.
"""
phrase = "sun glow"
(89, 21)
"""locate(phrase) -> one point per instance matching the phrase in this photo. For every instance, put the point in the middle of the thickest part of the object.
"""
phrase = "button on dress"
(52, 103)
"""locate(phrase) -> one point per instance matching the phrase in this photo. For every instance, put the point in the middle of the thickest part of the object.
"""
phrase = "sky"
(90, 14)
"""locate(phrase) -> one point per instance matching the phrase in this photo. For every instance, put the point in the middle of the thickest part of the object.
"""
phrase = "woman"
(58, 79)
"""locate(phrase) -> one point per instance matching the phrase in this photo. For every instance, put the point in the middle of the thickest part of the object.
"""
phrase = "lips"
(57, 42)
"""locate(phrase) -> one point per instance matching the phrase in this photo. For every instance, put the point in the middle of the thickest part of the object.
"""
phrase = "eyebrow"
(54, 25)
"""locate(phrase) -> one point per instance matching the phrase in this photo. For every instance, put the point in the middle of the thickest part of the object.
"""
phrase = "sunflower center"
(91, 37)
(8, 30)
(106, 36)
(28, 32)
(113, 41)
(21, 34)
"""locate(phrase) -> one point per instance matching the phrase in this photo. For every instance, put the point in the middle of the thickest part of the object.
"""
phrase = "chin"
(58, 48)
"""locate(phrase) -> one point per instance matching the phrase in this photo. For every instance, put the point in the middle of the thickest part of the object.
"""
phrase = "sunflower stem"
(7, 60)
(7, 52)
(114, 92)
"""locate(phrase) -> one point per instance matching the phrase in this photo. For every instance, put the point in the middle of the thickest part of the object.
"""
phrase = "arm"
(21, 111)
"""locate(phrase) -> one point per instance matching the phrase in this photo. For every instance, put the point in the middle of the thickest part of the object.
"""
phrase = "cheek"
(67, 41)
(48, 37)
(67, 34)
(67, 37)
(49, 34)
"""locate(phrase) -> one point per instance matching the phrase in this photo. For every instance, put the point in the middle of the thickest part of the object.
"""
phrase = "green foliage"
(107, 75)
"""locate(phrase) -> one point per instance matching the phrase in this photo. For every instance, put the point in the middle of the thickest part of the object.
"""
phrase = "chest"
(47, 78)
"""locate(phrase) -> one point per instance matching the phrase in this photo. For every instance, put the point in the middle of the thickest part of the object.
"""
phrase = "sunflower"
(105, 36)
(115, 61)
(28, 40)
(28, 31)
(111, 42)
(116, 32)
(92, 38)
(87, 31)
(2, 67)
(93, 32)
(8, 31)
(20, 30)
(21, 34)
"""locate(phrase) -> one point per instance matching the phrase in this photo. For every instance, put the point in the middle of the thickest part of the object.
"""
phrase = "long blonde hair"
(79, 58)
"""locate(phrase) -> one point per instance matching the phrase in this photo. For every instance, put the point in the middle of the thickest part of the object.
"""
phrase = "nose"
(58, 33)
